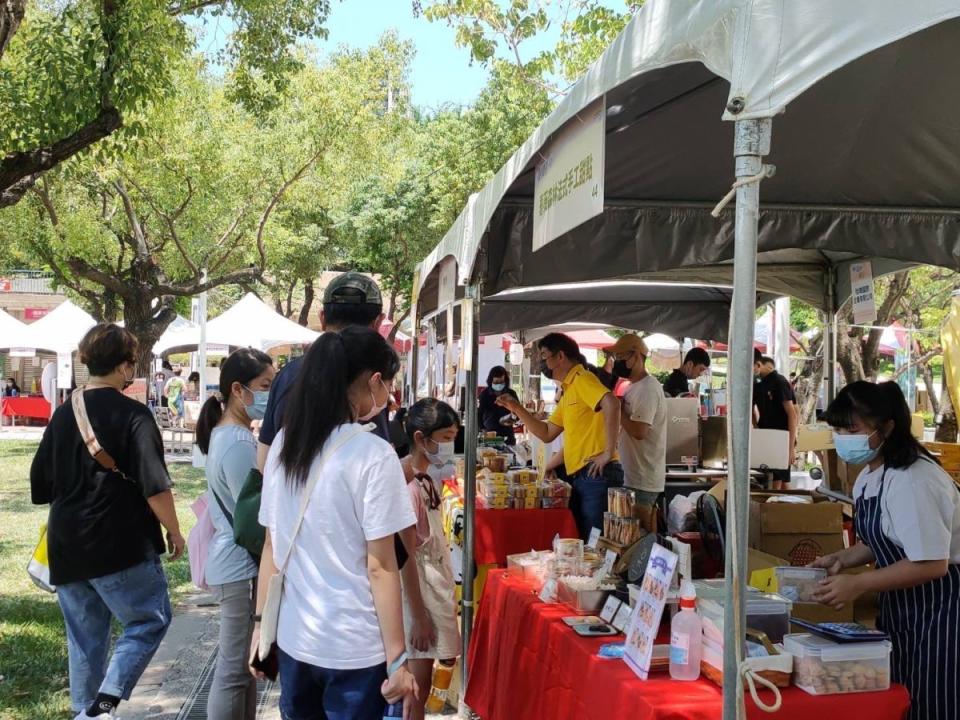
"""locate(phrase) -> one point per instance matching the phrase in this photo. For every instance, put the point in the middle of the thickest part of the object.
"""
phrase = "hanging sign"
(447, 283)
(647, 613)
(218, 350)
(569, 179)
(64, 371)
(861, 286)
(22, 352)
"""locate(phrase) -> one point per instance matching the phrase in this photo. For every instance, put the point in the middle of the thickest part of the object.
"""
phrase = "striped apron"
(923, 623)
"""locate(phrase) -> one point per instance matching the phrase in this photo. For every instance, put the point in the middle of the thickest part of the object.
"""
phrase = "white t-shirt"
(645, 461)
(920, 509)
(327, 616)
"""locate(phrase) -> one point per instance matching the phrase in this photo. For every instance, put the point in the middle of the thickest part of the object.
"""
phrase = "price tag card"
(594, 538)
(610, 608)
(608, 561)
(645, 619)
(548, 593)
(622, 619)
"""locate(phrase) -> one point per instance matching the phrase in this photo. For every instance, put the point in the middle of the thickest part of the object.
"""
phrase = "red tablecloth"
(32, 407)
(525, 663)
(506, 532)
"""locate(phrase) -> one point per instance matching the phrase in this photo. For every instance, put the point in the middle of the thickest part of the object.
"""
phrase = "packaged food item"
(768, 613)
(584, 594)
(621, 530)
(824, 667)
(621, 501)
(799, 584)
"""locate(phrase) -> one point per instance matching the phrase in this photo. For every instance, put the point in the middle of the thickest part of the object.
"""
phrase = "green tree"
(73, 72)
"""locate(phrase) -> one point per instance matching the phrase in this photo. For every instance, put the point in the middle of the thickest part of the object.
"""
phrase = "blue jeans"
(588, 502)
(138, 598)
(308, 692)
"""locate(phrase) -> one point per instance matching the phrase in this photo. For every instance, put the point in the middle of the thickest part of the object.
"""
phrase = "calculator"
(842, 632)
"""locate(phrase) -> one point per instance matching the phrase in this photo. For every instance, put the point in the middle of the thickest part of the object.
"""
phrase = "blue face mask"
(498, 387)
(855, 449)
(258, 410)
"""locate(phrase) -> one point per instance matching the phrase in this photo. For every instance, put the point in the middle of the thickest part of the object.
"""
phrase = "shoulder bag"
(264, 659)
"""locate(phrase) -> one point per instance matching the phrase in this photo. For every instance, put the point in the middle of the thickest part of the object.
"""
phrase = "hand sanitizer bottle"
(686, 636)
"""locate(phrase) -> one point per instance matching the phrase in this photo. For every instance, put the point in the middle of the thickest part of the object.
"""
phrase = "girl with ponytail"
(907, 518)
(340, 639)
(224, 436)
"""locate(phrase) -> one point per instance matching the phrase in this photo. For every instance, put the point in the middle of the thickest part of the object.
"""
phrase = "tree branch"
(140, 241)
(11, 15)
(237, 277)
(81, 268)
(189, 7)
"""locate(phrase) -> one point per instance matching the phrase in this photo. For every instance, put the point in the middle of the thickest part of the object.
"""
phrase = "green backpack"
(248, 533)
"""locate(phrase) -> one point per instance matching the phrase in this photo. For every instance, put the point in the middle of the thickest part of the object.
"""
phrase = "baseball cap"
(629, 343)
(352, 288)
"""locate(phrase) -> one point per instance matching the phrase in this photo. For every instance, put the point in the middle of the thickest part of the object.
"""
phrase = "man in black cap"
(350, 299)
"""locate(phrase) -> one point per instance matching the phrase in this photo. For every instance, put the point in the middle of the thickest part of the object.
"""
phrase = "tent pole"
(830, 336)
(751, 143)
(471, 350)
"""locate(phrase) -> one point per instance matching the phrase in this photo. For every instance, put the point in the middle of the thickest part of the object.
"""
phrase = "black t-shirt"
(277, 405)
(677, 384)
(100, 523)
(490, 413)
(769, 396)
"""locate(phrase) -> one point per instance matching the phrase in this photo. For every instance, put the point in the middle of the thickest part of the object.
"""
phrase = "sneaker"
(82, 715)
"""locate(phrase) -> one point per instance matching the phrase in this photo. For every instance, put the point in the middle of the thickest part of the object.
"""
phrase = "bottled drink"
(442, 675)
(393, 711)
(686, 636)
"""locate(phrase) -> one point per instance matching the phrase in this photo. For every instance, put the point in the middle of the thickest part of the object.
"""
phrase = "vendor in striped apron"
(907, 518)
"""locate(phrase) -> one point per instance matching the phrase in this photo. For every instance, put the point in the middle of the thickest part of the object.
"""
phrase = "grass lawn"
(33, 653)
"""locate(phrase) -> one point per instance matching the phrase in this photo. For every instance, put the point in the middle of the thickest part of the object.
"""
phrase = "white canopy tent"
(249, 323)
(176, 334)
(866, 153)
(11, 331)
(60, 330)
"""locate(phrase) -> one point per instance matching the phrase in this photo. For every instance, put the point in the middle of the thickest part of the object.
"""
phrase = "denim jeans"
(308, 692)
(588, 501)
(137, 597)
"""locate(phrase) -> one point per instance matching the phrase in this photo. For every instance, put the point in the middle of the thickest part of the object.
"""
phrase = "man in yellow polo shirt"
(588, 415)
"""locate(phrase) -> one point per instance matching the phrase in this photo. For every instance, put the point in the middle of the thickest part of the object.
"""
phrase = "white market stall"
(865, 152)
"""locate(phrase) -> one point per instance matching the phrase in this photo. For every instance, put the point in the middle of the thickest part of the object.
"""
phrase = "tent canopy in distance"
(59, 331)
(11, 331)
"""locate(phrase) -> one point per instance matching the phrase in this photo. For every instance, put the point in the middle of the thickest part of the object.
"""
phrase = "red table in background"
(31, 407)
(506, 532)
(525, 663)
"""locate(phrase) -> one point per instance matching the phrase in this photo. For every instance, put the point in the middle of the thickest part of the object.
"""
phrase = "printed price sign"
(647, 613)
(594, 538)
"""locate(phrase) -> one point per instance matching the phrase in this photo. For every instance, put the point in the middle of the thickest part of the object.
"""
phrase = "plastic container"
(767, 612)
(824, 667)
(686, 637)
(582, 602)
(798, 584)
(715, 589)
(440, 687)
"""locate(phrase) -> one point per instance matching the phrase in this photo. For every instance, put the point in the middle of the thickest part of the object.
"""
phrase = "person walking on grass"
(429, 590)
(340, 618)
(224, 436)
(104, 530)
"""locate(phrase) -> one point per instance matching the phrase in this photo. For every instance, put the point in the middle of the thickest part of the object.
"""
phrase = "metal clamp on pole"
(751, 144)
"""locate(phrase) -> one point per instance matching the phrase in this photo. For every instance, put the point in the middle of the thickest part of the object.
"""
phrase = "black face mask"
(620, 369)
(545, 370)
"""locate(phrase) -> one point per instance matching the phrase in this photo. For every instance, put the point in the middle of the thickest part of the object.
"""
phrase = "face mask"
(375, 409)
(545, 370)
(258, 410)
(855, 449)
(499, 387)
(620, 369)
(443, 455)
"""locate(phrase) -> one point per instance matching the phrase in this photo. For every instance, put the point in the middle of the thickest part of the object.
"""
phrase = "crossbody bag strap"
(308, 491)
(223, 508)
(86, 432)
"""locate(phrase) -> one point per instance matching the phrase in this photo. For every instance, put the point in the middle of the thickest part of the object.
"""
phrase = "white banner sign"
(218, 350)
(447, 288)
(22, 352)
(569, 180)
(861, 286)
(64, 371)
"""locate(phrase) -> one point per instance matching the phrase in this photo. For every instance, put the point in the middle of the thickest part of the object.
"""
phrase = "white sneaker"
(82, 715)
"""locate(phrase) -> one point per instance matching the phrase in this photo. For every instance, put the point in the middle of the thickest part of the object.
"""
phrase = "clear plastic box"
(798, 584)
(824, 667)
(767, 612)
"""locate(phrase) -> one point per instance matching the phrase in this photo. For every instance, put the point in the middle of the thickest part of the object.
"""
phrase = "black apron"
(923, 623)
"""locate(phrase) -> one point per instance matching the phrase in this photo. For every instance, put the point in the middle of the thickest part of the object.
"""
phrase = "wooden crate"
(949, 456)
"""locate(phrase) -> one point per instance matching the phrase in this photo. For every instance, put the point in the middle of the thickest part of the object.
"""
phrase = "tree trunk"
(307, 303)
(947, 429)
(11, 15)
(927, 374)
(809, 380)
(147, 325)
(849, 355)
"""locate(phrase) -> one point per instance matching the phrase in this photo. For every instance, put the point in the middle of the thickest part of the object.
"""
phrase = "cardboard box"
(798, 533)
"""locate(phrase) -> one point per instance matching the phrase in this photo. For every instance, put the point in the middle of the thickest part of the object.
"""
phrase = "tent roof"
(865, 151)
(677, 309)
(249, 323)
(60, 330)
(11, 331)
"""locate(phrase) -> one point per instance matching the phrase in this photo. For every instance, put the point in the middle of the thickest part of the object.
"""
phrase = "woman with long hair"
(224, 436)
(492, 416)
(105, 531)
(341, 643)
(430, 606)
(907, 518)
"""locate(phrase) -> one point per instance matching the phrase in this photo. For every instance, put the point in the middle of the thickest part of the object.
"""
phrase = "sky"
(442, 72)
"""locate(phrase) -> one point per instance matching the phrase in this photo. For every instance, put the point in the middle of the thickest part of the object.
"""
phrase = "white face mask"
(376, 409)
(443, 455)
